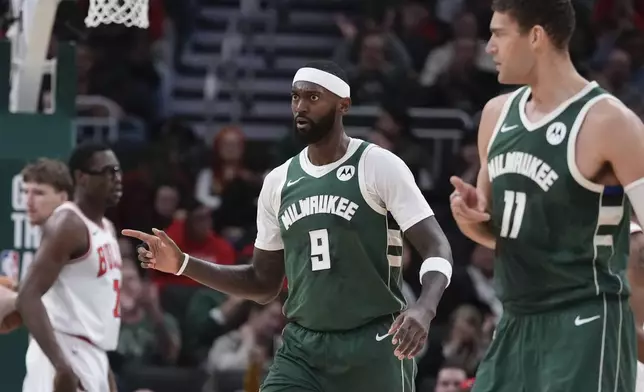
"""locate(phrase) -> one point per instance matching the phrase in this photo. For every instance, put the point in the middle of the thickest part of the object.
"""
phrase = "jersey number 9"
(320, 256)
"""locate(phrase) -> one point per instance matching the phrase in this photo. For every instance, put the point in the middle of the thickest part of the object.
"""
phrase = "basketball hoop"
(131, 13)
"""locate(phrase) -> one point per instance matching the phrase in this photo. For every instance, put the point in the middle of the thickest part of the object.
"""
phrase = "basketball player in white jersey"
(636, 280)
(69, 299)
(46, 185)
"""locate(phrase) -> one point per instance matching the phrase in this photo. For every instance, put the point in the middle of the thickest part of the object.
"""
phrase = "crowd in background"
(398, 54)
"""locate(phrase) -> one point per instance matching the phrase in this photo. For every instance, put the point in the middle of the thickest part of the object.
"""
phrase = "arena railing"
(110, 125)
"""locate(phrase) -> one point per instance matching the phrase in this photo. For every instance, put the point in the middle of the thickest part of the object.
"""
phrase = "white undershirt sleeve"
(635, 192)
(391, 185)
(268, 228)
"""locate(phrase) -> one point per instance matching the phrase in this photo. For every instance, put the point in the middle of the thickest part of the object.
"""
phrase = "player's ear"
(344, 105)
(537, 36)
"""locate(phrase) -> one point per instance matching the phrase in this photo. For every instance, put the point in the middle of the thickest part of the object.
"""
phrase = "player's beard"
(318, 130)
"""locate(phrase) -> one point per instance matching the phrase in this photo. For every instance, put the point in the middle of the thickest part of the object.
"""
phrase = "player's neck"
(329, 149)
(94, 211)
(555, 80)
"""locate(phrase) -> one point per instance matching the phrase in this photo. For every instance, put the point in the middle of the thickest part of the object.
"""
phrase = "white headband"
(329, 81)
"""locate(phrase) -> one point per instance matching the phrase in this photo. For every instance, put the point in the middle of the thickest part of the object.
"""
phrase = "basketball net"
(131, 13)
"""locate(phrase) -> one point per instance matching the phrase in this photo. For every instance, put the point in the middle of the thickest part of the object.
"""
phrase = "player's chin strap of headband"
(327, 80)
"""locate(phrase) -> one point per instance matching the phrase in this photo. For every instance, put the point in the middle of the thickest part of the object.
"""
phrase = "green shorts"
(351, 361)
(587, 347)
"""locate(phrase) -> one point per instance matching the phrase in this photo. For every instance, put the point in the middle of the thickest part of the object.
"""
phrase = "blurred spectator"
(417, 30)
(252, 342)
(194, 235)
(348, 52)
(451, 378)
(633, 43)
(148, 335)
(465, 164)
(473, 285)
(616, 76)
(463, 84)
(374, 77)
(227, 187)
(380, 139)
(394, 123)
(209, 315)
(166, 204)
(124, 73)
(180, 148)
(162, 163)
(439, 60)
(127, 249)
(465, 343)
(626, 13)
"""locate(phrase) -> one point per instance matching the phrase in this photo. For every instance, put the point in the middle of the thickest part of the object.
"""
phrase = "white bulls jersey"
(85, 299)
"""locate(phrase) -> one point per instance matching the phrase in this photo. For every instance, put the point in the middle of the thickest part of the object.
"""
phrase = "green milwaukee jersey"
(560, 237)
(343, 259)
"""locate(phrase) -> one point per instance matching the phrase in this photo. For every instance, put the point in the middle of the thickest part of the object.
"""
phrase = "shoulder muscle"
(617, 136)
(64, 237)
(489, 117)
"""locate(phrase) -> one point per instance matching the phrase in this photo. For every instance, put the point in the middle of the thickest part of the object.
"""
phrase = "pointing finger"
(138, 235)
(457, 183)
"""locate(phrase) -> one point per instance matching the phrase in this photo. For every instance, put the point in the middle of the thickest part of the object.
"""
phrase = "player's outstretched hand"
(162, 253)
(467, 202)
(410, 331)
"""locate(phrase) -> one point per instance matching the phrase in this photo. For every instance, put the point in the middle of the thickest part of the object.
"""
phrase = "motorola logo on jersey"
(556, 133)
(345, 173)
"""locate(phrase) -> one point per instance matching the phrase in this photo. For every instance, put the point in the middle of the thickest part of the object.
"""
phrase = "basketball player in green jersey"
(323, 222)
(560, 161)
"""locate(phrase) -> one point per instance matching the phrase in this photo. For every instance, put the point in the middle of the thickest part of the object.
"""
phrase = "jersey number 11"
(514, 206)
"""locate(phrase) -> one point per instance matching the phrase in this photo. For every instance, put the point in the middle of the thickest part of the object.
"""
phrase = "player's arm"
(636, 279)
(395, 190)
(480, 232)
(430, 242)
(616, 137)
(260, 281)
(64, 236)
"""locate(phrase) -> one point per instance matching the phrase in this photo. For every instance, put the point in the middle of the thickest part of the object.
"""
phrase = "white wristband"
(186, 257)
(438, 264)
